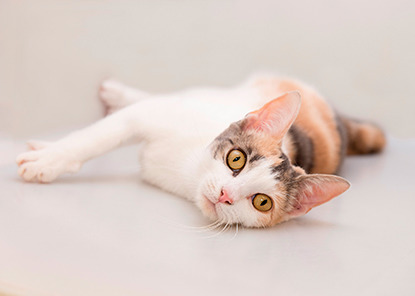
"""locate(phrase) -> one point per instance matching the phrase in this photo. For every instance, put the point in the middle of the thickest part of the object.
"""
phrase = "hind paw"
(112, 95)
(116, 95)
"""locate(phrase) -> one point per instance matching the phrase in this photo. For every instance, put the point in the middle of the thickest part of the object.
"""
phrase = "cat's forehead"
(255, 145)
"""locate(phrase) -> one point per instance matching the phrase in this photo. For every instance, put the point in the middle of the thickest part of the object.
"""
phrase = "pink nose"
(224, 197)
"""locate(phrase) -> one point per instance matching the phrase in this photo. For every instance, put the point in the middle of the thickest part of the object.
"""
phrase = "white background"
(53, 54)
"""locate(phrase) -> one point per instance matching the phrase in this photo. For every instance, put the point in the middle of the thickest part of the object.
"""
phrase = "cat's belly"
(202, 113)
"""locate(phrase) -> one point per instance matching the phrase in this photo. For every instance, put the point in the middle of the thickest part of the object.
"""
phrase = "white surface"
(103, 232)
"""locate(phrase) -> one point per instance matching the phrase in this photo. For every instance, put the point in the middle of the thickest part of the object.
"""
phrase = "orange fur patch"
(315, 118)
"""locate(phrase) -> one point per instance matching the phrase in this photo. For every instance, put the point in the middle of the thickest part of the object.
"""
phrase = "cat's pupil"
(264, 202)
(236, 159)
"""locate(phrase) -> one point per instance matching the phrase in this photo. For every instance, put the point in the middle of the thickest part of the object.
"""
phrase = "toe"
(36, 145)
(29, 173)
(25, 157)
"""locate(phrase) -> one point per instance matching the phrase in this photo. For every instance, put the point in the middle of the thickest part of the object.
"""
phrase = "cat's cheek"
(260, 222)
(254, 219)
(266, 220)
(207, 207)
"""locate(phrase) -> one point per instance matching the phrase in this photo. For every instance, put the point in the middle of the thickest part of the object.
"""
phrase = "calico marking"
(254, 158)
(341, 129)
(304, 147)
(282, 167)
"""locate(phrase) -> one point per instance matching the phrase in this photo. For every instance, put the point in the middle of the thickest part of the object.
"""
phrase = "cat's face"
(250, 181)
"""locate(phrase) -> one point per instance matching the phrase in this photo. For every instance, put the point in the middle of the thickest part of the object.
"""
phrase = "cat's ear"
(276, 116)
(314, 190)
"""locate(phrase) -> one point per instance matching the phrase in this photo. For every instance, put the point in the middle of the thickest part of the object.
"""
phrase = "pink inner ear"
(319, 195)
(276, 116)
(316, 190)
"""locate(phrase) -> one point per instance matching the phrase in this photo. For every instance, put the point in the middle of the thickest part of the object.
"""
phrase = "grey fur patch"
(341, 129)
(281, 169)
(304, 147)
(226, 137)
(249, 150)
(256, 157)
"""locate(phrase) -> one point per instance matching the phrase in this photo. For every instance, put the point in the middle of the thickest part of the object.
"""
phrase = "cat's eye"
(236, 159)
(262, 202)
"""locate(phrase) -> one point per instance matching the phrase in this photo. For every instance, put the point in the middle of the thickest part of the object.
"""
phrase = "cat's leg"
(115, 95)
(47, 161)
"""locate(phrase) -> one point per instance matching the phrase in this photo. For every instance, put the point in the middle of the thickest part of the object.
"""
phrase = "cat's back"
(203, 111)
(316, 121)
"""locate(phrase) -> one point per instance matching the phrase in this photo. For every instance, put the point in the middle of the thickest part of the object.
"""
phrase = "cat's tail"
(363, 137)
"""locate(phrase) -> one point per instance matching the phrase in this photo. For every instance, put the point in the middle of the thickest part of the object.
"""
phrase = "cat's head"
(250, 181)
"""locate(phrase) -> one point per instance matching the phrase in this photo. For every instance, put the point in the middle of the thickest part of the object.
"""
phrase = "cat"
(256, 154)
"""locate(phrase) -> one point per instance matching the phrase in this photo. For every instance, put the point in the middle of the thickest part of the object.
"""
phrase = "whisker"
(236, 232)
(201, 227)
(211, 228)
(218, 233)
(189, 228)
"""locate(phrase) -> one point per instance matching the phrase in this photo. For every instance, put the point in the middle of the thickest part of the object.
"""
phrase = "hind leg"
(115, 95)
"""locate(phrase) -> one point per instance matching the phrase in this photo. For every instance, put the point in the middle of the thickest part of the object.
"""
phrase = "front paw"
(45, 163)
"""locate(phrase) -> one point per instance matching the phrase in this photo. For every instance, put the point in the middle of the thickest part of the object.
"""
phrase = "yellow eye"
(262, 202)
(236, 159)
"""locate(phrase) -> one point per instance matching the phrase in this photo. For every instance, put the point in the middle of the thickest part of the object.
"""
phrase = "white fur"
(175, 130)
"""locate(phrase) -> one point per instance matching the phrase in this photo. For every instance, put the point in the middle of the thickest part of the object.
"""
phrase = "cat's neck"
(180, 171)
